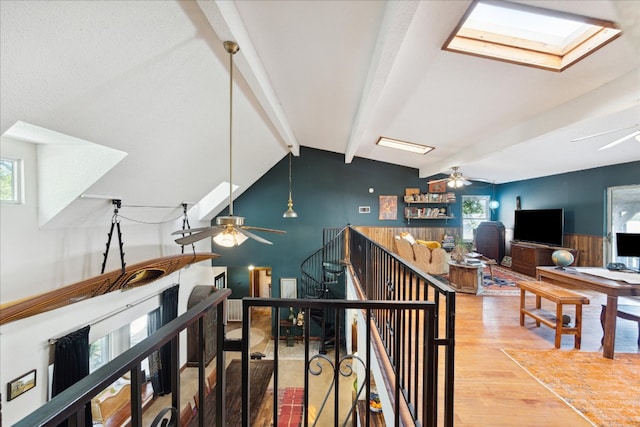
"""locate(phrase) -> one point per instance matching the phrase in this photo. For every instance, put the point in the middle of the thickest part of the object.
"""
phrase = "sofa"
(112, 408)
(428, 256)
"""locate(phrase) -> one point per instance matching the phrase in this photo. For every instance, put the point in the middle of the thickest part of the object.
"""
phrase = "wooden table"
(612, 288)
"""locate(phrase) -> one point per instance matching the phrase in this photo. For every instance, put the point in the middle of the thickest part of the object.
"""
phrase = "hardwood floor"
(490, 389)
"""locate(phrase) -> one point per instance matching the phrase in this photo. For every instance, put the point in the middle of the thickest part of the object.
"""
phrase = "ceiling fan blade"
(603, 133)
(191, 230)
(253, 236)
(208, 232)
(268, 230)
(435, 181)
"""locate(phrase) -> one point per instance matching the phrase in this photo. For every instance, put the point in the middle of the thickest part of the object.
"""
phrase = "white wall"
(35, 260)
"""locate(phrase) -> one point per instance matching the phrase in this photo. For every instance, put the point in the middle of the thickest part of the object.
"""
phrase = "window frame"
(17, 181)
(471, 222)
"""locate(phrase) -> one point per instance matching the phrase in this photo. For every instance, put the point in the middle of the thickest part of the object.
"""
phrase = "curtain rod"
(119, 310)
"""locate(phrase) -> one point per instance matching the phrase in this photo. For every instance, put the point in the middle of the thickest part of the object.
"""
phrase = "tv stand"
(525, 257)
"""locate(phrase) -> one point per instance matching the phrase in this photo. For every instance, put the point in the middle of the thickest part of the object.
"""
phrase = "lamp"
(290, 213)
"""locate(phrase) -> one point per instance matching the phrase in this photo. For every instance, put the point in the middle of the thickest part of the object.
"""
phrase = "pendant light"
(290, 213)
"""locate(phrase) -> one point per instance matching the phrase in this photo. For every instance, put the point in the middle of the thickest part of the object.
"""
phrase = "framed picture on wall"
(438, 187)
(388, 208)
(20, 385)
(288, 287)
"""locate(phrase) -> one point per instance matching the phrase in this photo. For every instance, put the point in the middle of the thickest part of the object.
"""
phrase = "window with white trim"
(475, 209)
(11, 181)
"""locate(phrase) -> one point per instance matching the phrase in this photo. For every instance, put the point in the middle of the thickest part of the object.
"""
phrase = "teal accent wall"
(326, 194)
(581, 194)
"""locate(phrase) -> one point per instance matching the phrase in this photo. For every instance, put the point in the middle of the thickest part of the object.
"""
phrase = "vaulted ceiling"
(151, 79)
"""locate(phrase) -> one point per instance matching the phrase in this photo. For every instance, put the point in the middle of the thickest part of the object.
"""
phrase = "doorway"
(623, 216)
(260, 282)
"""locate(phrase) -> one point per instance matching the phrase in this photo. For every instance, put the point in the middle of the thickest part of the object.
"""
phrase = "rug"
(291, 407)
(255, 335)
(503, 283)
(296, 352)
(604, 391)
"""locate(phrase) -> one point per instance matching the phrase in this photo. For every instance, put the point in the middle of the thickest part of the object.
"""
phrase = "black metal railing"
(70, 404)
(384, 276)
(405, 330)
(412, 321)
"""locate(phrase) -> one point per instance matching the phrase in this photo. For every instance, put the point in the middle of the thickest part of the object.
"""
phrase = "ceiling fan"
(455, 180)
(633, 134)
(229, 230)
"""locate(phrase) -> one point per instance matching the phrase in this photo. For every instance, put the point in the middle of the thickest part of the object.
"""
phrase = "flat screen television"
(628, 244)
(542, 226)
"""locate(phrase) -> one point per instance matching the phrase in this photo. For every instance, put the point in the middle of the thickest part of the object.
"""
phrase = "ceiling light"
(403, 145)
(528, 35)
(290, 213)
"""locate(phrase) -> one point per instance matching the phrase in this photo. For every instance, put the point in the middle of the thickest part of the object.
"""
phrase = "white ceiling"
(151, 79)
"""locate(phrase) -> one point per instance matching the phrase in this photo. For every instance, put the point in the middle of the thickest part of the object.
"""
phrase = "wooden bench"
(560, 296)
(629, 312)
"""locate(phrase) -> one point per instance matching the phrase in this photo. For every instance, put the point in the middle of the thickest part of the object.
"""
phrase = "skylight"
(529, 35)
(403, 145)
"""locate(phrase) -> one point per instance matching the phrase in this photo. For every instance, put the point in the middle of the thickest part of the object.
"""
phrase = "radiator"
(234, 310)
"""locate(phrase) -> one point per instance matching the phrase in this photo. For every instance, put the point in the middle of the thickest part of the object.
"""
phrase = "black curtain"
(71, 364)
(154, 321)
(168, 312)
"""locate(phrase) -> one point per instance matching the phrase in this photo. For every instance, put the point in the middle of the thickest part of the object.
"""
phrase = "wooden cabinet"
(490, 240)
(198, 294)
(465, 277)
(428, 206)
(525, 257)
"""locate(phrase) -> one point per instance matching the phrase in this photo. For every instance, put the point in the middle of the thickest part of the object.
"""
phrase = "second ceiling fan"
(455, 180)
(229, 230)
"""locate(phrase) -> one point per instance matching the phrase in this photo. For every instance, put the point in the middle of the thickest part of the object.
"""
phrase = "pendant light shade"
(290, 213)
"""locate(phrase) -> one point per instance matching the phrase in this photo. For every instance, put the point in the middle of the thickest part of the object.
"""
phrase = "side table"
(466, 278)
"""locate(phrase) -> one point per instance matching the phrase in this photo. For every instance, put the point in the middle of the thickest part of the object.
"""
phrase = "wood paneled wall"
(590, 248)
(385, 235)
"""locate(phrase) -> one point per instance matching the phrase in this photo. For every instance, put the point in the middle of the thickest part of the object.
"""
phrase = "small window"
(10, 181)
(475, 209)
(99, 353)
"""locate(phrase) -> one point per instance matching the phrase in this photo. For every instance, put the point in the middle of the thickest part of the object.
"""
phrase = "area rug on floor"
(255, 335)
(503, 282)
(604, 391)
(290, 406)
(296, 352)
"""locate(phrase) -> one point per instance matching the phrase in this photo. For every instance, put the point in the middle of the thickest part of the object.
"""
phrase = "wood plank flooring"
(490, 389)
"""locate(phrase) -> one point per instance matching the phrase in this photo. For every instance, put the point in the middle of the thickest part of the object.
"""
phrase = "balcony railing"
(405, 329)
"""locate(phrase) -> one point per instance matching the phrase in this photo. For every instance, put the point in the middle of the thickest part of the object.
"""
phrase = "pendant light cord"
(230, 132)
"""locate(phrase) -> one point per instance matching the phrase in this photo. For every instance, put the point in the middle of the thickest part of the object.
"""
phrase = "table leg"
(559, 325)
(578, 325)
(522, 307)
(610, 327)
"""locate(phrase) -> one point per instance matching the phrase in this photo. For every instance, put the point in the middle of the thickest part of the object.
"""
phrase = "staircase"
(323, 277)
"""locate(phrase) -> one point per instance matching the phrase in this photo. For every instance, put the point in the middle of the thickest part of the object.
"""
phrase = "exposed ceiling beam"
(227, 24)
(396, 22)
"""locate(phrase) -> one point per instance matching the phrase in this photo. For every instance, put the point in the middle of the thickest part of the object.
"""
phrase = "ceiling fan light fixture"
(290, 213)
(455, 183)
(403, 145)
(229, 238)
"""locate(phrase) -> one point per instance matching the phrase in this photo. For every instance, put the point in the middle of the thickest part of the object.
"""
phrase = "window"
(99, 353)
(528, 35)
(137, 333)
(475, 209)
(10, 181)
(624, 217)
